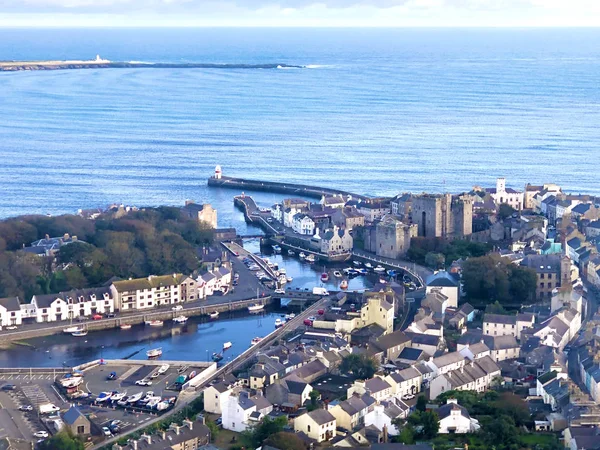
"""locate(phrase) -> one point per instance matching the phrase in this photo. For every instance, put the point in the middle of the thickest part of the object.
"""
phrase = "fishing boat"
(368, 265)
(80, 333)
(154, 323)
(311, 258)
(227, 345)
(324, 276)
(71, 330)
(289, 279)
(126, 326)
(180, 319)
(135, 397)
(162, 369)
(256, 307)
(278, 322)
(217, 357)
(214, 315)
(291, 252)
(344, 284)
(357, 263)
(103, 397)
(379, 269)
(302, 255)
(255, 340)
(337, 274)
(154, 352)
(277, 249)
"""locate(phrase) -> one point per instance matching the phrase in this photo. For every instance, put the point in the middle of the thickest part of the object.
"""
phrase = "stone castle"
(443, 215)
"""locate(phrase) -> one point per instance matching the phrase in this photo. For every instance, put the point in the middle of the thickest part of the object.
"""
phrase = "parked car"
(111, 315)
(143, 383)
(112, 376)
(25, 408)
(106, 431)
(97, 317)
(41, 434)
(177, 308)
(9, 387)
(408, 397)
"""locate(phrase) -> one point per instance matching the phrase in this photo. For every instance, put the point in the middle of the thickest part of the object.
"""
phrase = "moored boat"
(126, 326)
(302, 255)
(337, 274)
(324, 276)
(227, 345)
(71, 330)
(135, 397)
(154, 323)
(103, 397)
(278, 323)
(291, 252)
(368, 265)
(162, 369)
(214, 315)
(180, 319)
(289, 279)
(344, 284)
(155, 352)
(379, 269)
(311, 258)
(289, 317)
(357, 263)
(255, 307)
(80, 333)
(217, 357)
(277, 249)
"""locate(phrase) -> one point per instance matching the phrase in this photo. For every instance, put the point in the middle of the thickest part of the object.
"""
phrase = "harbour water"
(375, 111)
(196, 341)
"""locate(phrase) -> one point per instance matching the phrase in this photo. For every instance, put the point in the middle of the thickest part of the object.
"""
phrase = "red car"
(96, 317)
(308, 322)
(321, 312)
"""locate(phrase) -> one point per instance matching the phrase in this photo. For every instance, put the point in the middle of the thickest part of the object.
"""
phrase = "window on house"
(308, 428)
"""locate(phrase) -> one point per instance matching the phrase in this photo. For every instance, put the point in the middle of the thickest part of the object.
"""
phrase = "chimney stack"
(189, 423)
(385, 434)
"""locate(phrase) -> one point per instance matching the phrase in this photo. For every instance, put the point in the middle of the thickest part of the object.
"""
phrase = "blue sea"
(374, 111)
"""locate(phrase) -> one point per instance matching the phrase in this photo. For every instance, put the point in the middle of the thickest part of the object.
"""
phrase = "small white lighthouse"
(218, 172)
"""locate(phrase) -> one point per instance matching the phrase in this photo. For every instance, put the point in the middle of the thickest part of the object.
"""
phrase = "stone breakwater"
(16, 66)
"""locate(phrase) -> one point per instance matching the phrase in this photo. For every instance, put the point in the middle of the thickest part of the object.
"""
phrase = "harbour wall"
(282, 188)
(136, 318)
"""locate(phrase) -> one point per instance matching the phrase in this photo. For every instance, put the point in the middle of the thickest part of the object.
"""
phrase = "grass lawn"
(538, 439)
(224, 438)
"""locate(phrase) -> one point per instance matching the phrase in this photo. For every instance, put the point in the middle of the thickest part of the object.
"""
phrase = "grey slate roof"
(376, 384)
(321, 416)
(11, 303)
(72, 415)
(500, 318)
(445, 410)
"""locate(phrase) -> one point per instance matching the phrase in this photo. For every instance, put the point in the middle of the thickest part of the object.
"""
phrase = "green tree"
(421, 403)
(255, 436)
(214, 429)
(314, 398)
(62, 441)
(425, 423)
(505, 211)
(435, 260)
(361, 366)
(406, 435)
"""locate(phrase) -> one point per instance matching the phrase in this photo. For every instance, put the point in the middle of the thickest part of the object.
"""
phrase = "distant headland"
(100, 63)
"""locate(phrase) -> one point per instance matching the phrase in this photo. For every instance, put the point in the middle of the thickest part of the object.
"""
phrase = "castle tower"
(218, 172)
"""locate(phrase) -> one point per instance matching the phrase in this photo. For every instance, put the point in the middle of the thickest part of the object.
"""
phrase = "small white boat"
(255, 340)
(154, 352)
(277, 249)
(289, 279)
(126, 326)
(256, 307)
(324, 276)
(357, 263)
(337, 274)
(291, 252)
(135, 397)
(123, 401)
(118, 396)
(362, 271)
(214, 315)
(344, 284)
(153, 402)
(71, 330)
(162, 369)
(368, 265)
(180, 319)
(379, 269)
(163, 405)
(310, 258)
(302, 255)
(80, 333)
(103, 397)
(282, 271)
(227, 345)
(154, 323)
(278, 322)
(71, 382)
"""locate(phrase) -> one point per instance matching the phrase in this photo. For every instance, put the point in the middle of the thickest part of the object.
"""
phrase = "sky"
(300, 13)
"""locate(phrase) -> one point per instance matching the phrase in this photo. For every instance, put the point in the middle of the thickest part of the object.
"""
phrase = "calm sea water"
(375, 111)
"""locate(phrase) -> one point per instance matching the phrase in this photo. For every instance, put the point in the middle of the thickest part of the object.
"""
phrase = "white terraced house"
(144, 293)
(10, 312)
(73, 304)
